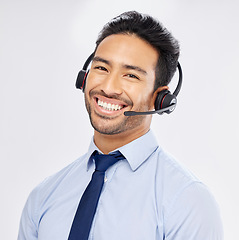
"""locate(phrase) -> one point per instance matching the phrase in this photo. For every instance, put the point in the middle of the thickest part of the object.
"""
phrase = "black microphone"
(160, 111)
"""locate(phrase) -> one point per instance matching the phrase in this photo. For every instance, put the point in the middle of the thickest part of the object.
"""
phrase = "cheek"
(88, 82)
(92, 81)
(140, 93)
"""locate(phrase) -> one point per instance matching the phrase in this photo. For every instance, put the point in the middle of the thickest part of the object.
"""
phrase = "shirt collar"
(91, 149)
(135, 152)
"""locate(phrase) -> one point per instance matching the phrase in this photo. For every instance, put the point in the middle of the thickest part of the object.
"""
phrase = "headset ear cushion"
(159, 99)
(164, 99)
(81, 79)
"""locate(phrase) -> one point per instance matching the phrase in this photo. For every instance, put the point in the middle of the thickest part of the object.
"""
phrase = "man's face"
(121, 79)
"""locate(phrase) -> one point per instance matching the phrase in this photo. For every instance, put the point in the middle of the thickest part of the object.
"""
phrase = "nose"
(111, 84)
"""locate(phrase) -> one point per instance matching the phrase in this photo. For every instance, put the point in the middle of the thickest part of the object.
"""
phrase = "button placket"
(109, 174)
(105, 179)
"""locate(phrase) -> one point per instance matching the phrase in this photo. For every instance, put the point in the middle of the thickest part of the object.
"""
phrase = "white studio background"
(44, 125)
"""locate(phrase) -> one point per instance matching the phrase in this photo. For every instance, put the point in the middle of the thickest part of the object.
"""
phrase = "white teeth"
(109, 106)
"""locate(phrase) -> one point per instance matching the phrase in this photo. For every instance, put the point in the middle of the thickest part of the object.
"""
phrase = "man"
(147, 194)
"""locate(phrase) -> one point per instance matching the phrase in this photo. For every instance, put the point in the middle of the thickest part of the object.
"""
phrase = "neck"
(108, 143)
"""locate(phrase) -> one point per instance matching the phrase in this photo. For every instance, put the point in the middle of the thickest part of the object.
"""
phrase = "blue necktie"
(84, 216)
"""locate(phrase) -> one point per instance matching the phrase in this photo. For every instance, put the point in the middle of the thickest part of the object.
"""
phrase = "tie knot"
(104, 161)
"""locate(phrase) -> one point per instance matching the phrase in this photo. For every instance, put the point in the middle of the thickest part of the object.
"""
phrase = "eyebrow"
(127, 66)
(135, 68)
(99, 59)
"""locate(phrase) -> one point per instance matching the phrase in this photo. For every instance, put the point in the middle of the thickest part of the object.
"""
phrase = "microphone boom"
(161, 111)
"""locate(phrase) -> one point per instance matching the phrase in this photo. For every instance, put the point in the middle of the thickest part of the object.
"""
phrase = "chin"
(108, 129)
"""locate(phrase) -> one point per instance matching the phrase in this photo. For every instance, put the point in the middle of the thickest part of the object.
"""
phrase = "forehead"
(128, 49)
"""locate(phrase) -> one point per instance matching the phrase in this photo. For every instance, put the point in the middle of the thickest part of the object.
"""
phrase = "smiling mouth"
(109, 106)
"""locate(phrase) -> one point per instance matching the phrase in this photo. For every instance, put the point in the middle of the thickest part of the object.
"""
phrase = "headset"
(165, 101)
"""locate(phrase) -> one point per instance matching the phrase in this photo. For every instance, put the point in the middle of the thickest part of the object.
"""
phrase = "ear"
(155, 94)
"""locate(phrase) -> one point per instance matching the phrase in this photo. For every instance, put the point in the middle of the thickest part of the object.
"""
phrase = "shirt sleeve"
(28, 226)
(194, 215)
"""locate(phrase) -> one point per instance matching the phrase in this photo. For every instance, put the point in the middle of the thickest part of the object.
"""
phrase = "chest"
(127, 209)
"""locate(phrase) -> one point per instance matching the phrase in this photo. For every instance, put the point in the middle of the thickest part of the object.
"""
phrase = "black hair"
(153, 32)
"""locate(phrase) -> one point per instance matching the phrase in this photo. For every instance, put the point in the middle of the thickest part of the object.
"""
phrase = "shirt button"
(105, 180)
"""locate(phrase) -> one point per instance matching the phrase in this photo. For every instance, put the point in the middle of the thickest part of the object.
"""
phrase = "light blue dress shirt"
(147, 196)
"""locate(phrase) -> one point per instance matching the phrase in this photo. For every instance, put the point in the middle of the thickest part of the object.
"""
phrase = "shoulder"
(51, 183)
(188, 207)
(172, 175)
(194, 214)
(39, 199)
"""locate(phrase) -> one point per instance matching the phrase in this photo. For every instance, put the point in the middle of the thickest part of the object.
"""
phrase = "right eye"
(100, 68)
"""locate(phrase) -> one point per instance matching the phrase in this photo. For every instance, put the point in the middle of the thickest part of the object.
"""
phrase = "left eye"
(132, 76)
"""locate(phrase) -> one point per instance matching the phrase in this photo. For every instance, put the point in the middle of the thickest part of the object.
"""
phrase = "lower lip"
(101, 110)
